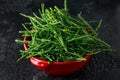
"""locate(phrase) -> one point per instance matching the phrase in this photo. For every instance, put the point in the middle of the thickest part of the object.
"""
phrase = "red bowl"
(57, 68)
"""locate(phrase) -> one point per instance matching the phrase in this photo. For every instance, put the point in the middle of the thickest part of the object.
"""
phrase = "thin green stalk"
(87, 24)
(99, 25)
(65, 6)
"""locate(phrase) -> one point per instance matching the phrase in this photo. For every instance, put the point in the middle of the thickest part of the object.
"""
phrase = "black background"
(104, 66)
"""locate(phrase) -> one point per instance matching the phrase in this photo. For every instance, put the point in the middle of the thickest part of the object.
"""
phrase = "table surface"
(104, 66)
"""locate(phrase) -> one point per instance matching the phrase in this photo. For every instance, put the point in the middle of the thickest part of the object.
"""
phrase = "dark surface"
(105, 66)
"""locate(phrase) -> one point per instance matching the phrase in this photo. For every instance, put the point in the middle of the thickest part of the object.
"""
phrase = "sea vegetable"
(57, 37)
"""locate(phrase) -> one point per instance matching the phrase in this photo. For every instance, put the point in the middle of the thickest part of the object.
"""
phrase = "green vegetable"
(57, 36)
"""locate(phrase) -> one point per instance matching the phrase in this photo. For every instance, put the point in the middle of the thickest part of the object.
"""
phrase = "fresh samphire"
(58, 37)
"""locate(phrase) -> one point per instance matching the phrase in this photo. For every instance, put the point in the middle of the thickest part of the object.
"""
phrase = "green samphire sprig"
(57, 37)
